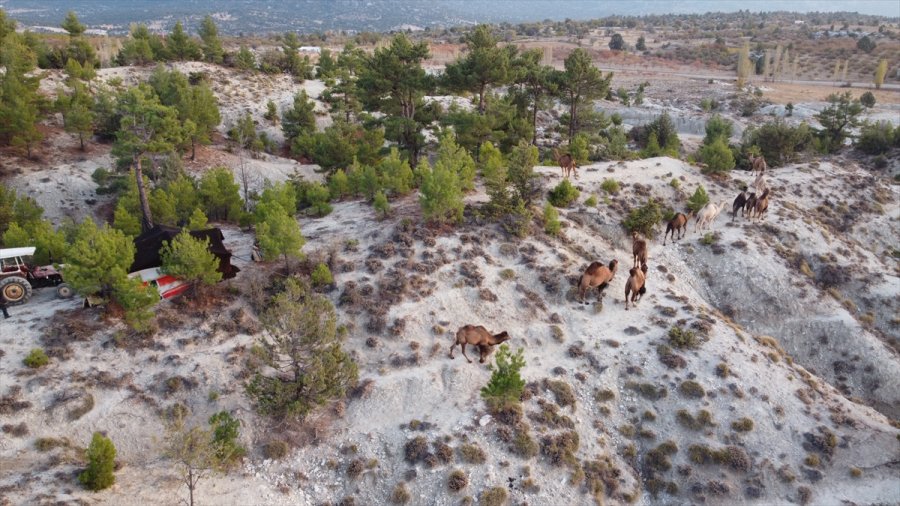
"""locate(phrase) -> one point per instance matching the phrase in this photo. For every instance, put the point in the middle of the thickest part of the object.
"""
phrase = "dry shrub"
(18, 430)
(457, 480)
(10, 403)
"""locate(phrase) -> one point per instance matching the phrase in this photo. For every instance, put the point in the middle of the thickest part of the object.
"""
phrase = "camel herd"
(599, 275)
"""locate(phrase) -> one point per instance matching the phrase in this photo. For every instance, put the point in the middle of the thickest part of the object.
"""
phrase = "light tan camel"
(758, 164)
(477, 336)
(762, 204)
(566, 163)
(598, 275)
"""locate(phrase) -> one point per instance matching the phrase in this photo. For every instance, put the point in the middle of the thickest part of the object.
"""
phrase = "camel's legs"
(451, 349)
(463, 346)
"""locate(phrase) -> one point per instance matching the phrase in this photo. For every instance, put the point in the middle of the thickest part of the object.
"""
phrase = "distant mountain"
(264, 16)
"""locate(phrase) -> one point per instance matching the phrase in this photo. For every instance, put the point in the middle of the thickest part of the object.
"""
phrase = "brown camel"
(678, 224)
(758, 164)
(597, 275)
(566, 163)
(762, 204)
(477, 336)
(635, 286)
(638, 249)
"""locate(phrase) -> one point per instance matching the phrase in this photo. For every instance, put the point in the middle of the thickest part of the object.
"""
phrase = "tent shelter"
(149, 244)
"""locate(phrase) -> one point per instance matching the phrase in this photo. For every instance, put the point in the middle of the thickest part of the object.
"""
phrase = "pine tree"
(212, 45)
(183, 190)
(506, 384)
(72, 25)
(393, 82)
(452, 156)
(195, 453)
(279, 235)
(484, 65)
(744, 65)
(327, 66)
(137, 50)
(146, 126)
(300, 118)
(534, 84)
(381, 205)
(339, 185)
(641, 44)
(19, 98)
(303, 346)
(699, 199)
(189, 258)
(197, 221)
(101, 455)
(220, 195)
(551, 219)
(244, 59)
(271, 112)
(441, 194)
(520, 173)
(77, 112)
(199, 106)
(181, 45)
(579, 85)
(396, 174)
(98, 260)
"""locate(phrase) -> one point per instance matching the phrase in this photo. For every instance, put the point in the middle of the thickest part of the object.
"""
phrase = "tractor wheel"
(64, 291)
(15, 289)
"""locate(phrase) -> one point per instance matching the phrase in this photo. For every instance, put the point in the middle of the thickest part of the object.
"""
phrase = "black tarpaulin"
(149, 244)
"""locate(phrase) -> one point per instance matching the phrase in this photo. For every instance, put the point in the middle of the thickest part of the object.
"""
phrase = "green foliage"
(392, 81)
(867, 99)
(226, 430)
(189, 258)
(146, 125)
(138, 48)
(36, 358)
(99, 259)
(778, 142)
(610, 186)
(219, 195)
(321, 276)
(591, 201)
(182, 46)
(101, 456)
(338, 185)
(616, 42)
(551, 220)
(877, 138)
(452, 157)
(381, 205)
(197, 220)
(579, 85)
(563, 194)
(284, 194)
(396, 174)
(245, 60)
(339, 144)
(880, 73)
(211, 44)
(304, 347)
(699, 199)
(506, 384)
(20, 102)
(683, 339)
(77, 112)
(441, 193)
(718, 127)
(136, 300)
(523, 180)
(279, 234)
(838, 118)
(579, 148)
(644, 218)
(641, 44)
(866, 44)
(484, 65)
(50, 245)
(659, 137)
(313, 196)
(300, 118)
(717, 156)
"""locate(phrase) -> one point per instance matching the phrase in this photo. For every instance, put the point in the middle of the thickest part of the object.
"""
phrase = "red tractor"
(18, 279)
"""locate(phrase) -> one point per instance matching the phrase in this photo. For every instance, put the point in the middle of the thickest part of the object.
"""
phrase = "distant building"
(310, 49)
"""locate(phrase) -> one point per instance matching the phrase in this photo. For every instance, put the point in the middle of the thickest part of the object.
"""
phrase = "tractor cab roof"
(16, 252)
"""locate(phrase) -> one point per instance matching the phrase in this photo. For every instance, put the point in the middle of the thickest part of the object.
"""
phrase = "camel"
(480, 337)
(759, 184)
(635, 286)
(708, 214)
(597, 275)
(638, 248)
(739, 203)
(566, 163)
(758, 164)
(678, 224)
(751, 203)
(762, 204)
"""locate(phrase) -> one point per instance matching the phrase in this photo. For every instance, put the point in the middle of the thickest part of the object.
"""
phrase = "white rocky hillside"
(785, 393)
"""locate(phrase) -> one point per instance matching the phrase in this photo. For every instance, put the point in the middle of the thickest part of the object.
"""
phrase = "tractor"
(18, 279)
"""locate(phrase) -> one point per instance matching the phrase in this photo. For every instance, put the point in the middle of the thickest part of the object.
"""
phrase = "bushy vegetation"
(644, 218)
(304, 346)
(36, 358)
(699, 199)
(101, 457)
(563, 194)
(506, 384)
(779, 142)
(878, 138)
(551, 220)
